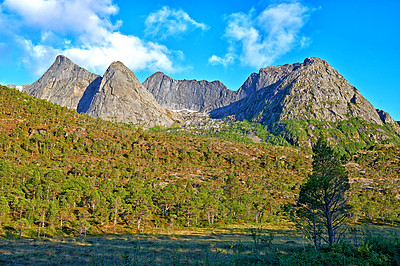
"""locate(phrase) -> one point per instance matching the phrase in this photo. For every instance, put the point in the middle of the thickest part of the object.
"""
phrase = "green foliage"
(57, 165)
(352, 135)
(322, 203)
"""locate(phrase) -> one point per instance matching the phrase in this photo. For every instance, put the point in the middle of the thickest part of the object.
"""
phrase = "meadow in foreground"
(233, 245)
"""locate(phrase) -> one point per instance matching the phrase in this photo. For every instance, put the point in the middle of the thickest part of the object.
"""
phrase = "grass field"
(233, 245)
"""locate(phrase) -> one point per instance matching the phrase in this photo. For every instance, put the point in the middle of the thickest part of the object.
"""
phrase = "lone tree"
(322, 206)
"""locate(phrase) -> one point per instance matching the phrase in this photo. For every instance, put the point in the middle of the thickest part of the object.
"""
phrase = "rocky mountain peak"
(193, 95)
(309, 90)
(64, 83)
(314, 60)
(127, 83)
(122, 98)
(388, 120)
(63, 60)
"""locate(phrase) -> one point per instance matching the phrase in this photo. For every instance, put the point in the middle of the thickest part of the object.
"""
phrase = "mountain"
(65, 83)
(193, 95)
(309, 90)
(388, 120)
(58, 168)
(297, 101)
(122, 98)
(118, 96)
(294, 101)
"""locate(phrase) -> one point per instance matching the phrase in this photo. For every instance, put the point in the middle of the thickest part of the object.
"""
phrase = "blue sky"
(212, 40)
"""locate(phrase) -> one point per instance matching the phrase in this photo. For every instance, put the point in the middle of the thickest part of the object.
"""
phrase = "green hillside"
(64, 173)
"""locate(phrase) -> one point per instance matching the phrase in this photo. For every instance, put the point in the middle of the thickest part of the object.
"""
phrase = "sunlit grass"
(218, 246)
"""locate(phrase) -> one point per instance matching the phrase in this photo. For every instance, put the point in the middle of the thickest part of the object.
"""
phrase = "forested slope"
(64, 172)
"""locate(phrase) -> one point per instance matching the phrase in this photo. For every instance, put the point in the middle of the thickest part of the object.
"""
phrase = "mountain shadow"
(88, 95)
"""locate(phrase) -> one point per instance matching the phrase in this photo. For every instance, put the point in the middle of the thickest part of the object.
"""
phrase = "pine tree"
(322, 203)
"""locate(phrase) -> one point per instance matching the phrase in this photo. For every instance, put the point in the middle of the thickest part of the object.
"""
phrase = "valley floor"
(234, 245)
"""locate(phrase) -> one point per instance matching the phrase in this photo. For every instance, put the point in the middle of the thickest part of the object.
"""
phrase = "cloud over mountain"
(171, 22)
(258, 39)
(83, 31)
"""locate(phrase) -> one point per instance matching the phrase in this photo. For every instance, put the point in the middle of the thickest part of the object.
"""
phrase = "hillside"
(68, 173)
(294, 102)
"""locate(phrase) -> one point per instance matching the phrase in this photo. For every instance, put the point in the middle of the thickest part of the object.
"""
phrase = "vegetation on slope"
(67, 173)
(350, 135)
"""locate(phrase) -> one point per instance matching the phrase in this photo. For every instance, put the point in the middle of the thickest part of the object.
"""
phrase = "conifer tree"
(322, 203)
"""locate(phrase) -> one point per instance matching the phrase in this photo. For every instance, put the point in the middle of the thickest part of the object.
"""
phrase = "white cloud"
(67, 16)
(83, 31)
(228, 59)
(257, 40)
(171, 22)
(132, 51)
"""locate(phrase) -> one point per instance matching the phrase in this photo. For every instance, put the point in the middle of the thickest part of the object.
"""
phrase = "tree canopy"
(322, 203)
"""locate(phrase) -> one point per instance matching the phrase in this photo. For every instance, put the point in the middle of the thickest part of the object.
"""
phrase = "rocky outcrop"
(388, 120)
(120, 97)
(193, 95)
(308, 90)
(18, 87)
(64, 83)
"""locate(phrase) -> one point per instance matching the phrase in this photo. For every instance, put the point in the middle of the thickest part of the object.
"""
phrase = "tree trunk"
(43, 215)
(115, 221)
(331, 233)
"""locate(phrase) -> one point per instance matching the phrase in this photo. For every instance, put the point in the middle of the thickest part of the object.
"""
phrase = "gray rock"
(64, 83)
(122, 98)
(308, 90)
(18, 87)
(388, 120)
(193, 95)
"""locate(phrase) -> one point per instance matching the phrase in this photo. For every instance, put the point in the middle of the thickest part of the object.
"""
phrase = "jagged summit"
(312, 90)
(62, 59)
(309, 90)
(118, 96)
(121, 97)
(194, 95)
(64, 83)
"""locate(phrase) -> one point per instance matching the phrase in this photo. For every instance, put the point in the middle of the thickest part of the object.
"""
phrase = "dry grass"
(222, 246)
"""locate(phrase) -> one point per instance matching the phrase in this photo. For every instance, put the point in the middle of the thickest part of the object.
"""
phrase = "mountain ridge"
(193, 95)
(285, 91)
(67, 84)
(312, 90)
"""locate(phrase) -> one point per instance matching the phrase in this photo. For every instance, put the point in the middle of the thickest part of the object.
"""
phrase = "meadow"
(227, 245)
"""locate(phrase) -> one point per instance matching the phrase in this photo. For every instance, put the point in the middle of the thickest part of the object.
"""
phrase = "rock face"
(193, 95)
(64, 83)
(301, 91)
(17, 87)
(308, 90)
(120, 97)
(388, 120)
